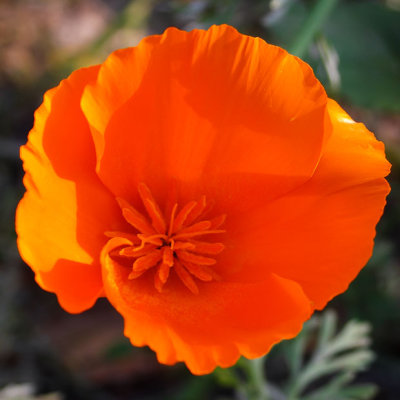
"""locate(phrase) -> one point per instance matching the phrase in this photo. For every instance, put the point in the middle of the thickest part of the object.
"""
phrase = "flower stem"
(311, 26)
(257, 387)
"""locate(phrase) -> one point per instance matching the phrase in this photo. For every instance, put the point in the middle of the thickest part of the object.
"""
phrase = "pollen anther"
(161, 247)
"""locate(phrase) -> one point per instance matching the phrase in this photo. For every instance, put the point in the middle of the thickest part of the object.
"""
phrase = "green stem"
(257, 381)
(312, 25)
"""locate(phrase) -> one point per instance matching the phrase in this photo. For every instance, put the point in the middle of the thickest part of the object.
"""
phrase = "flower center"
(179, 242)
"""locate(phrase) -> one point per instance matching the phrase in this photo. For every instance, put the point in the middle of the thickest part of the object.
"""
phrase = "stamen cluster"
(161, 245)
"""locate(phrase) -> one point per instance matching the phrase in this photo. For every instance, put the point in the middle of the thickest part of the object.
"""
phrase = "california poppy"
(205, 184)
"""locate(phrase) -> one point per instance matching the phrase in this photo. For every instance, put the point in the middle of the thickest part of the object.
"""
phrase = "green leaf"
(327, 329)
(366, 36)
(358, 392)
(311, 26)
(331, 390)
(335, 360)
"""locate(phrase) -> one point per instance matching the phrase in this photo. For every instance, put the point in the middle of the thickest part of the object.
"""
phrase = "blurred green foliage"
(321, 363)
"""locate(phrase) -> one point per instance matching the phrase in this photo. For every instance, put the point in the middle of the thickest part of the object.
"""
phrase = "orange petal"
(76, 285)
(321, 234)
(66, 208)
(209, 329)
(246, 107)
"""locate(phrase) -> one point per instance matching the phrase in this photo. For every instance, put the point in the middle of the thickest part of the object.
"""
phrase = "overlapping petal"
(320, 234)
(225, 320)
(200, 107)
(61, 219)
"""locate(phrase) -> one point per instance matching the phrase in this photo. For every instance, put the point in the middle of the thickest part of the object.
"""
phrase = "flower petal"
(199, 105)
(321, 234)
(76, 285)
(211, 328)
(66, 209)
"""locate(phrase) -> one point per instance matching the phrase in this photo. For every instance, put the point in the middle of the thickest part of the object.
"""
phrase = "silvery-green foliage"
(322, 362)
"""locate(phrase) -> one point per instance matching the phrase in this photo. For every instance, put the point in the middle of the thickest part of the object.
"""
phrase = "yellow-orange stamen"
(136, 274)
(198, 233)
(172, 219)
(161, 276)
(168, 256)
(197, 211)
(218, 221)
(183, 214)
(147, 261)
(194, 258)
(186, 278)
(199, 271)
(206, 247)
(152, 208)
(162, 247)
(135, 252)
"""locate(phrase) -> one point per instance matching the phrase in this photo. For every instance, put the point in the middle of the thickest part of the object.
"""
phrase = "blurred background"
(354, 48)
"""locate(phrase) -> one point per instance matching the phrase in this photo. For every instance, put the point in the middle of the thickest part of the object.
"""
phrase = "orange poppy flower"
(205, 184)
